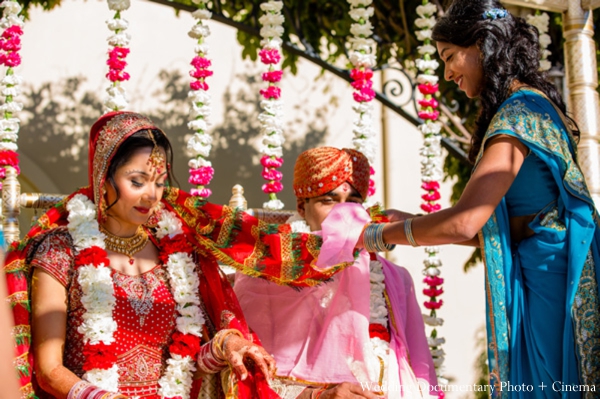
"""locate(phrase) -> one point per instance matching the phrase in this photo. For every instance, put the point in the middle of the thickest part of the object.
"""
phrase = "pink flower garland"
(119, 42)
(272, 115)
(10, 44)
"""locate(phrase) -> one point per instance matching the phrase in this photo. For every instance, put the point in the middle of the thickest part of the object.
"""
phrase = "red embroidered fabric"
(145, 315)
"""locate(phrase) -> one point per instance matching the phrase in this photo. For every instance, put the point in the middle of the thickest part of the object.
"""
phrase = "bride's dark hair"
(510, 51)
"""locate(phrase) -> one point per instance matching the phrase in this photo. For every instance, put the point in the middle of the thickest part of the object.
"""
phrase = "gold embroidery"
(16, 265)
(226, 227)
(587, 326)
(552, 221)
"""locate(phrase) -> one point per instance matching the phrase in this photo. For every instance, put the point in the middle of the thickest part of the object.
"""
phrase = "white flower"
(275, 140)
(271, 19)
(118, 5)
(199, 97)
(202, 49)
(11, 106)
(430, 128)
(426, 49)
(298, 223)
(117, 101)
(10, 20)
(272, 6)
(11, 91)
(117, 24)
(361, 13)
(433, 321)
(424, 34)
(105, 379)
(202, 14)
(435, 341)
(541, 22)
(12, 80)
(168, 225)
(8, 146)
(273, 107)
(364, 107)
(271, 31)
(11, 124)
(425, 23)
(272, 152)
(361, 44)
(11, 7)
(198, 124)
(545, 65)
(427, 10)
(545, 40)
(199, 31)
(358, 3)
(365, 29)
(272, 43)
(362, 60)
(422, 79)
(273, 205)
(203, 111)
(120, 39)
(195, 163)
(423, 65)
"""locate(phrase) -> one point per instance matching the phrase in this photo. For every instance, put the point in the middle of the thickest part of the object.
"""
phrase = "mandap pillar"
(582, 81)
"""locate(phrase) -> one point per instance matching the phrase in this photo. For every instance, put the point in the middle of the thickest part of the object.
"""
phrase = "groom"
(360, 332)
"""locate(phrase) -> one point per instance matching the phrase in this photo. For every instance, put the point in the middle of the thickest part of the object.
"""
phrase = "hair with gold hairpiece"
(156, 158)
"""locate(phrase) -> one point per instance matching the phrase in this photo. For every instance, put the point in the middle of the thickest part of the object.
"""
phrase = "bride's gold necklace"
(126, 245)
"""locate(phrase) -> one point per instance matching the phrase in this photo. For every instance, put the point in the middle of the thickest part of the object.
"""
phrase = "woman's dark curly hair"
(510, 51)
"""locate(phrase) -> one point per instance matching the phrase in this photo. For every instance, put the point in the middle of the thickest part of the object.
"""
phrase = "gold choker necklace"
(126, 245)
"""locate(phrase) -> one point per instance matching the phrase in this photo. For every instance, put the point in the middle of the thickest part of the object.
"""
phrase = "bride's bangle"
(373, 238)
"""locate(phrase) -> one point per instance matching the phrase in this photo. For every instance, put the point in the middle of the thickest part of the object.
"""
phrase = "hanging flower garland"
(119, 42)
(431, 167)
(362, 58)
(98, 298)
(10, 44)
(271, 119)
(200, 144)
(542, 21)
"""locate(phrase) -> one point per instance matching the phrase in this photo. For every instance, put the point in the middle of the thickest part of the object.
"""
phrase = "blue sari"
(542, 298)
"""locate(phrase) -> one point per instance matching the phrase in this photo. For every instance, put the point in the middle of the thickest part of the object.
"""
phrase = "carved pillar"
(11, 207)
(582, 81)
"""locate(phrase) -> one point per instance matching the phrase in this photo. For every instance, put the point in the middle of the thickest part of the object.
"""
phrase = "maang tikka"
(156, 159)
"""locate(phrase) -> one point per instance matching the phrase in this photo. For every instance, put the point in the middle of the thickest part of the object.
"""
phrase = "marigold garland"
(362, 58)
(271, 119)
(10, 44)
(200, 144)
(431, 169)
(119, 42)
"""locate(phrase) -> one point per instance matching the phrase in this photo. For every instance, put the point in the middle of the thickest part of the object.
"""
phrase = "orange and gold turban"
(323, 169)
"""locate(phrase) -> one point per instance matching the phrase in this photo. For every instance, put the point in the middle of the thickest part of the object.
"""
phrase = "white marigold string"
(541, 21)
(200, 144)
(271, 119)
(10, 44)
(119, 42)
(98, 299)
(362, 58)
(431, 170)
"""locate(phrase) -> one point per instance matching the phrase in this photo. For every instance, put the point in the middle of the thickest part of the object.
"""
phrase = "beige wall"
(71, 41)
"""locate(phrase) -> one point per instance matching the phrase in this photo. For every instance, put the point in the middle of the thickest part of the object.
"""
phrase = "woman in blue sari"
(526, 205)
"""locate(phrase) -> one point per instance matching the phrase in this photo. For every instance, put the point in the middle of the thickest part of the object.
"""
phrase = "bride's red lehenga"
(145, 309)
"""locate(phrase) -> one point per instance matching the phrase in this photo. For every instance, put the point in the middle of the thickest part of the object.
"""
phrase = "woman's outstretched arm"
(491, 180)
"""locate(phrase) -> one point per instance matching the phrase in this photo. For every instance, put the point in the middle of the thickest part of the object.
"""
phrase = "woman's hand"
(238, 351)
(345, 390)
(395, 215)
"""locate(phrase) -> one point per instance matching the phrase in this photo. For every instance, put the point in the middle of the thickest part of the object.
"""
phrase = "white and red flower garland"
(542, 21)
(200, 144)
(431, 167)
(362, 58)
(98, 298)
(10, 44)
(271, 119)
(119, 42)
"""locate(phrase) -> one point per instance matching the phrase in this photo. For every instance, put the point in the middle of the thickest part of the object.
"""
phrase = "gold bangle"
(408, 232)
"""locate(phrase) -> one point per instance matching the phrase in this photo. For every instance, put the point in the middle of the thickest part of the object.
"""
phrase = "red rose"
(93, 255)
(173, 245)
(379, 331)
(185, 345)
(99, 356)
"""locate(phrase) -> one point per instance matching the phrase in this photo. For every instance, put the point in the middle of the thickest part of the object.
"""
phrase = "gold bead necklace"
(126, 245)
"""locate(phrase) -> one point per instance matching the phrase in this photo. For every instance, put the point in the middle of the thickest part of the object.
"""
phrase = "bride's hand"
(238, 351)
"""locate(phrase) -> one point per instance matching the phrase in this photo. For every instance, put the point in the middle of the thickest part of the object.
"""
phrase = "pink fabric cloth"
(320, 334)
